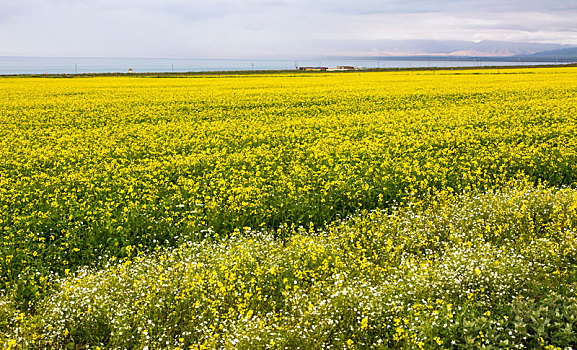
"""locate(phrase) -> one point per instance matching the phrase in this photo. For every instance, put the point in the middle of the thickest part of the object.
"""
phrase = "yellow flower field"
(410, 209)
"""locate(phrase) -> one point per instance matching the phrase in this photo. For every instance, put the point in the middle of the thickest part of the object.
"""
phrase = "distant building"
(129, 70)
(314, 69)
(346, 67)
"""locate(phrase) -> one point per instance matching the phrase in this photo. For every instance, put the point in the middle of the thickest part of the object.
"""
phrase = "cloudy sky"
(274, 28)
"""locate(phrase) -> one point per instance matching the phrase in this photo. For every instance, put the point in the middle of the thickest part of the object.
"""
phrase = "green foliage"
(420, 276)
(374, 210)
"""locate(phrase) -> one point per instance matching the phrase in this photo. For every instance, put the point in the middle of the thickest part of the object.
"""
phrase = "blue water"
(52, 65)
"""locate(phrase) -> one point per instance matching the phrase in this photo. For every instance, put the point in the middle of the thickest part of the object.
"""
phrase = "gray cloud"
(283, 28)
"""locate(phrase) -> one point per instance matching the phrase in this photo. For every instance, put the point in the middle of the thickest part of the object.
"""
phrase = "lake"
(54, 65)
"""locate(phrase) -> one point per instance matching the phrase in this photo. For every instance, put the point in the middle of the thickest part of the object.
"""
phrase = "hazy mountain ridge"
(567, 53)
(396, 48)
(488, 48)
(451, 50)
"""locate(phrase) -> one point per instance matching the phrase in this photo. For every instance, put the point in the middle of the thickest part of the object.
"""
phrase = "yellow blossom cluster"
(226, 208)
(412, 278)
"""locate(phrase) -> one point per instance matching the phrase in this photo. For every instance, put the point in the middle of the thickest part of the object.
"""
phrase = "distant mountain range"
(564, 54)
(443, 49)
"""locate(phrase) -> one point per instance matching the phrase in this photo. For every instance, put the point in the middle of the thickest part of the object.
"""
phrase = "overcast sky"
(270, 28)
